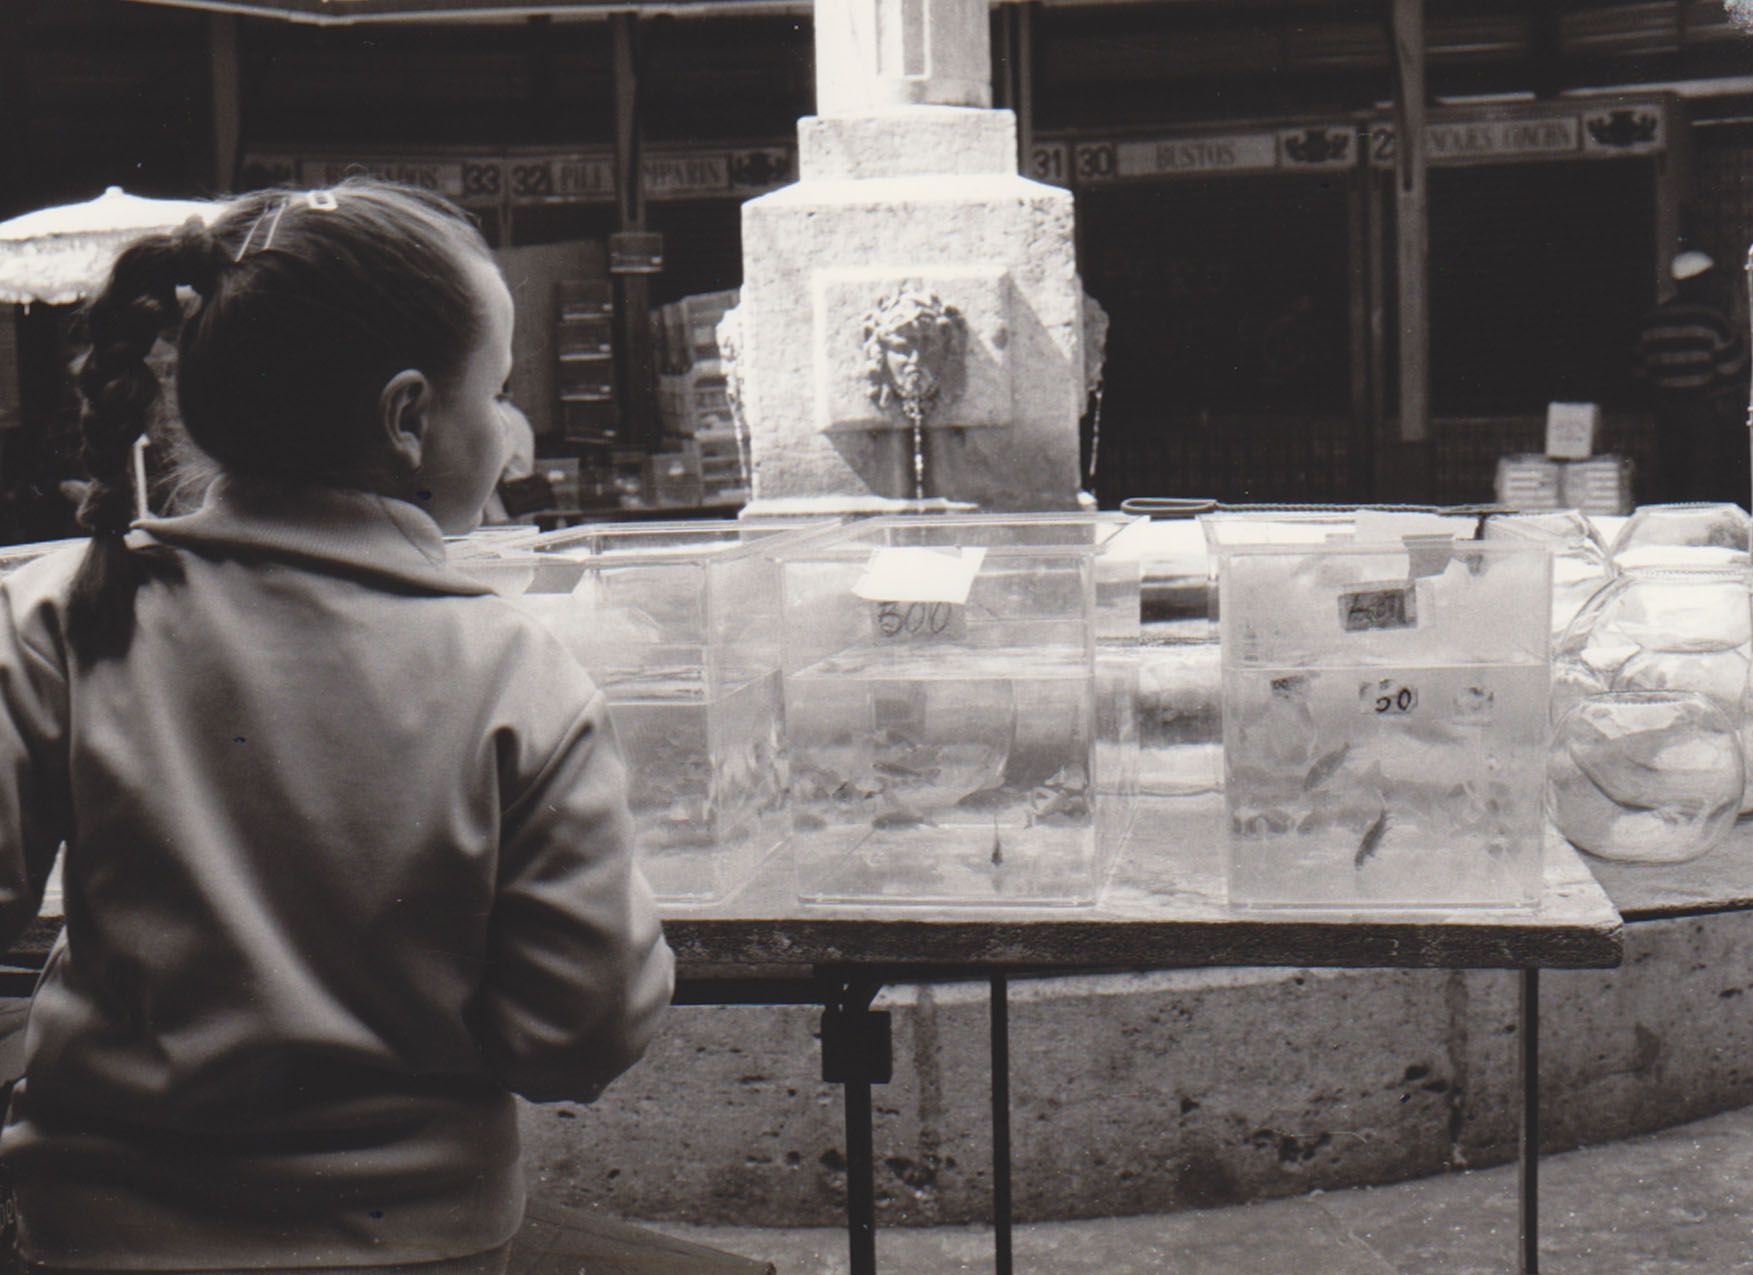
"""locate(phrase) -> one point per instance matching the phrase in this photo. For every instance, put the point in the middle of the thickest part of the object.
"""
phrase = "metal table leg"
(1000, 1028)
(856, 1054)
(1528, 1174)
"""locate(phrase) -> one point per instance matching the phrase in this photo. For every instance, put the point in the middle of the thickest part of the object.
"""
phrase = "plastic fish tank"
(1385, 722)
(678, 623)
(12, 557)
(959, 698)
(1180, 733)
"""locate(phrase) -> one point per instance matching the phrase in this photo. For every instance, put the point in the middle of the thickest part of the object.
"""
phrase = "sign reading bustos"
(1323, 146)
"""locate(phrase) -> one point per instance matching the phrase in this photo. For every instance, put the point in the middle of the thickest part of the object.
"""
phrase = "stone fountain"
(911, 325)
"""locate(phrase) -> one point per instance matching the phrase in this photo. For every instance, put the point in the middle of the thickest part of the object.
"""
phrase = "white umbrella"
(61, 254)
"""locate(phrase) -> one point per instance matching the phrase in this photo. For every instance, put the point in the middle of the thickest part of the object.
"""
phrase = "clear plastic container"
(679, 624)
(1385, 723)
(959, 698)
(12, 557)
(1180, 722)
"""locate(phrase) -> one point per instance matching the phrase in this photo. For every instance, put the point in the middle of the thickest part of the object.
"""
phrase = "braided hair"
(297, 308)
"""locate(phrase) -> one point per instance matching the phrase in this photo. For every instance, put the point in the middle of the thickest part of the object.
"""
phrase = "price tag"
(1378, 606)
(1386, 698)
(918, 593)
(900, 621)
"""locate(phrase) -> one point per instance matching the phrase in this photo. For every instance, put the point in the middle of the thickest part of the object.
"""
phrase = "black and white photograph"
(812, 637)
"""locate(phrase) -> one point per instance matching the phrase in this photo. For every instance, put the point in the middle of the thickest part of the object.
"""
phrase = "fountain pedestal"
(911, 321)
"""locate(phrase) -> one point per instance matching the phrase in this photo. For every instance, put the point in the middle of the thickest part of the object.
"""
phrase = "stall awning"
(347, 12)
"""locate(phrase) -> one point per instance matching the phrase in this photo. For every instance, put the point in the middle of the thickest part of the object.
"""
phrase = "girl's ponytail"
(119, 393)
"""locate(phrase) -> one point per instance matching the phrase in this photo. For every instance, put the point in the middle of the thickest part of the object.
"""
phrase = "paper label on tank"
(1378, 606)
(919, 594)
(911, 573)
(1387, 697)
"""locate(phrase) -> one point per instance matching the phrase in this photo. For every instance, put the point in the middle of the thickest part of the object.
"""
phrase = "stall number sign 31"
(918, 594)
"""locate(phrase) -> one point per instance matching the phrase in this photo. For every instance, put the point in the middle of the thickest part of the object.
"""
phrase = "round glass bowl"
(1580, 561)
(1663, 629)
(1645, 776)
(1699, 533)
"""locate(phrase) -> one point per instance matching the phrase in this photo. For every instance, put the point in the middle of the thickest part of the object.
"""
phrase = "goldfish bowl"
(1645, 776)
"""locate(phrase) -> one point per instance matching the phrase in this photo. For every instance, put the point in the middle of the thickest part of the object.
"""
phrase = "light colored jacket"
(348, 863)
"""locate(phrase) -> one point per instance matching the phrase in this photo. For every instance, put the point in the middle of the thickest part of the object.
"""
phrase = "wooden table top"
(1164, 907)
(1720, 881)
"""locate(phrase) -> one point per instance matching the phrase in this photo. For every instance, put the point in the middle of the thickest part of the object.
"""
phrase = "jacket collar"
(356, 532)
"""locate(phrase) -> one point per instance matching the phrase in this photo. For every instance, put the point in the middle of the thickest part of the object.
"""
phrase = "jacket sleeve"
(577, 971)
(33, 740)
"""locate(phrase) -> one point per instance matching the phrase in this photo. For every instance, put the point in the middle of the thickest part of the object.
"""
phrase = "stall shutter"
(1228, 370)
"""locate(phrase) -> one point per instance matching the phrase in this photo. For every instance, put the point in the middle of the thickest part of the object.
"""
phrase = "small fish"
(900, 770)
(1290, 686)
(1325, 767)
(1371, 839)
(899, 817)
(997, 850)
(988, 799)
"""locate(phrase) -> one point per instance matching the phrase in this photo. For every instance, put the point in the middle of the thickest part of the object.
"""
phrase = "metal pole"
(860, 1180)
(857, 1053)
(1528, 1173)
(1001, 1206)
(636, 388)
(1022, 55)
(1412, 221)
(224, 78)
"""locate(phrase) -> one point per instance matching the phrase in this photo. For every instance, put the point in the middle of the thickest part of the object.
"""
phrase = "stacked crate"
(584, 346)
(694, 402)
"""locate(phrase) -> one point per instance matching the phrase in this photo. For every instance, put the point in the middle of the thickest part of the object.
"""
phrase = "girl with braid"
(348, 858)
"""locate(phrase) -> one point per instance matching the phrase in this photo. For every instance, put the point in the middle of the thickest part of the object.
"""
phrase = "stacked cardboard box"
(1528, 483)
(1567, 475)
(1598, 485)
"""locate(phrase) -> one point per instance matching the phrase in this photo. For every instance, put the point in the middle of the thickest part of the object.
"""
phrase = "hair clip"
(273, 226)
(245, 245)
(321, 200)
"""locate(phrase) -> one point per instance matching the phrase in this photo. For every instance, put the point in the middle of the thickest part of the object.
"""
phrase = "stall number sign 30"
(918, 594)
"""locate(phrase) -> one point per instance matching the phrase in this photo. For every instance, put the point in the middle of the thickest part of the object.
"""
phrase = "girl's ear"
(403, 408)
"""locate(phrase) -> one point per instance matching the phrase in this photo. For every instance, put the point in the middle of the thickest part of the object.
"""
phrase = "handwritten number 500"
(893, 619)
